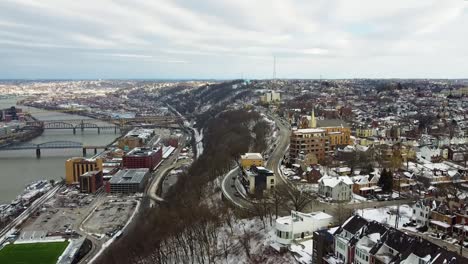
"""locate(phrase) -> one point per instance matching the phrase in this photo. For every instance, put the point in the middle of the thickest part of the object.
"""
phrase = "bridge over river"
(52, 145)
(110, 124)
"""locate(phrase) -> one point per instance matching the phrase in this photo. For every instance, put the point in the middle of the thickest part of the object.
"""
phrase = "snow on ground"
(387, 215)
(259, 240)
(308, 187)
(198, 141)
(303, 251)
(266, 119)
(357, 199)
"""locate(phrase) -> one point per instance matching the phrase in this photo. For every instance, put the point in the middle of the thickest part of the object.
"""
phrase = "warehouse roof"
(129, 176)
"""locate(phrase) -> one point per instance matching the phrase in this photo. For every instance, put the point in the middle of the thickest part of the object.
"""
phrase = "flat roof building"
(142, 158)
(128, 181)
(91, 181)
(251, 159)
(75, 167)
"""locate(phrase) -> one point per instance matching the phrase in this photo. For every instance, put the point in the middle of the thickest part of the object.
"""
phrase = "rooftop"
(331, 123)
(309, 130)
(129, 176)
(141, 152)
(252, 156)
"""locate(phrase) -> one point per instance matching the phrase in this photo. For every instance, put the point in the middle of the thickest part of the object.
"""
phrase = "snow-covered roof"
(310, 130)
(331, 181)
(252, 156)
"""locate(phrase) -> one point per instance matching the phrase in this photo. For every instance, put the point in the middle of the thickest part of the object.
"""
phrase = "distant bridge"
(116, 124)
(52, 145)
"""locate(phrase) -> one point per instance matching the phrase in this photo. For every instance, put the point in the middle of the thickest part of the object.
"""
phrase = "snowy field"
(387, 215)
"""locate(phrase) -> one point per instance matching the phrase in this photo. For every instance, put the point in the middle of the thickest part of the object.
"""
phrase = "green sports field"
(36, 253)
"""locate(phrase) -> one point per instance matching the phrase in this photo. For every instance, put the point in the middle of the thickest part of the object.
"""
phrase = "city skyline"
(229, 39)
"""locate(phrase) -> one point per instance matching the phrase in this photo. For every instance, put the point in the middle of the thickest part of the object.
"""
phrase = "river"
(21, 167)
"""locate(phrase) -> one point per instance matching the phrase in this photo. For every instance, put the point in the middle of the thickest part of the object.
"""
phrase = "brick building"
(91, 181)
(142, 158)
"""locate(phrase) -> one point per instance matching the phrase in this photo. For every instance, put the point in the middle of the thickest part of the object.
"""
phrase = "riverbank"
(21, 167)
(20, 137)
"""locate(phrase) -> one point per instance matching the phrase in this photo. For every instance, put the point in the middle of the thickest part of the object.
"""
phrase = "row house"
(364, 185)
(359, 241)
(403, 182)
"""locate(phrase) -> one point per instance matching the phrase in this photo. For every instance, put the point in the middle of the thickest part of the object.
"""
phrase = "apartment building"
(75, 167)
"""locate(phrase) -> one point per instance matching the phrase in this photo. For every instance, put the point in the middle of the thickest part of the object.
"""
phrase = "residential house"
(442, 219)
(358, 241)
(422, 211)
(336, 188)
(364, 187)
(346, 238)
(369, 238)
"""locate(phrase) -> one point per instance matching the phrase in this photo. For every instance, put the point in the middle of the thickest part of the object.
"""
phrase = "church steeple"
(313, 121)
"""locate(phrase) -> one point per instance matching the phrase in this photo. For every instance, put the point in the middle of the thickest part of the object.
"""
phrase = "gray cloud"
(222, 39)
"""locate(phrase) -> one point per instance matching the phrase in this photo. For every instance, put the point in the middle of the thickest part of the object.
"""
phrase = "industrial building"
(142, 158)
(11, 114)
(251, 159)
(137, 137)
(91, 181)
(75, 167)
(128, 181)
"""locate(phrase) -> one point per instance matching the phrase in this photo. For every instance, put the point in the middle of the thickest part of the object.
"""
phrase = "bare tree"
(294, 199)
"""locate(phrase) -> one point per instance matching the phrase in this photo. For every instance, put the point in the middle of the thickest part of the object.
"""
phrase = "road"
(96, 244)
(282, 144)
(230, 191)
(24, 215)
(273, 163)
(158, 176)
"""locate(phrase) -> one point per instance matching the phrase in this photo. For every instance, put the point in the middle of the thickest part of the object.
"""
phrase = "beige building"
(75, 167)
(251, 159)
(271, 96)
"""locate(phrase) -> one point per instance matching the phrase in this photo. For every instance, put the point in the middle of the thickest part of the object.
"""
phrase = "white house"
(429, 153)
(300, 225)
(421, 212)
(336, 188)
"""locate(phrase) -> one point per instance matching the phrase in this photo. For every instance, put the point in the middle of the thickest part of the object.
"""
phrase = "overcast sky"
(230, 39)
